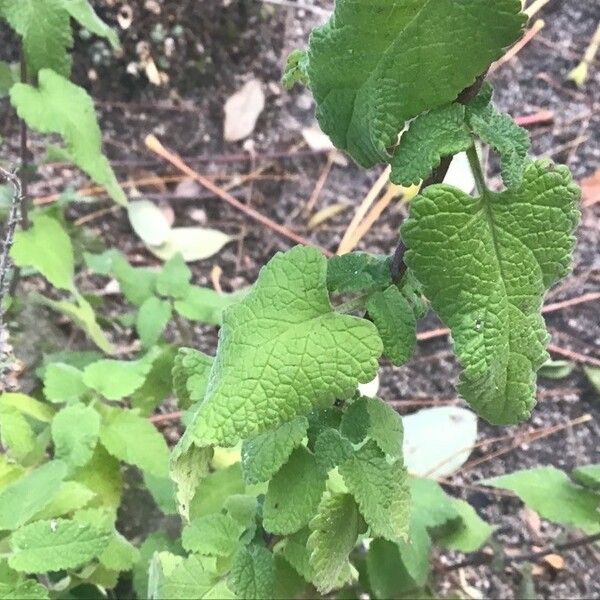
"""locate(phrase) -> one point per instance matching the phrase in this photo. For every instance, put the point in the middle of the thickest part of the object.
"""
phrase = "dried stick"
(155, 146)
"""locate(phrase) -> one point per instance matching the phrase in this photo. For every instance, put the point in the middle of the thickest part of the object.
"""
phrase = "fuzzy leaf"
(331, 449)
(190, 375)
(125, 376)
(295, 69)
(45, 28)
(294, 493)
(550, 493)
(381, 491)
(252, 573)
(440, 132)
(190, 579)
(286, 336)
(53, 545)
(134, 440)
(485, 264)
(357, 271)
(59, 106)
(47, 248)
(334, 533)
(502, 133)
(28, 495)
(214, 491)
(16, 434)
(265, 454)
(75, 431)
(63, 383)
(174, 278)
(423, 54)
(213, 535)
(82, 11)
(152, 319)
(396, 323)
(374, 418)
(469, 533)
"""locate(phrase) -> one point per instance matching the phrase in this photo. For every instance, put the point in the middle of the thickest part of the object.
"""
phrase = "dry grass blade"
(362, 210)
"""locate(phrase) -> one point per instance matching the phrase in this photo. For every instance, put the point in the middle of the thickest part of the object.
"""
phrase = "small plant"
(287, 481)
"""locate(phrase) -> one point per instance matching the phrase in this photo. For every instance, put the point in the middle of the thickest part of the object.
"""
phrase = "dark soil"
(221, 44)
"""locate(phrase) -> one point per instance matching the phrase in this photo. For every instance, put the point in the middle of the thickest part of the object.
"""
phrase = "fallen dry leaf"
(242, 110)
(555, 561)
(590, 189)
(194, 243)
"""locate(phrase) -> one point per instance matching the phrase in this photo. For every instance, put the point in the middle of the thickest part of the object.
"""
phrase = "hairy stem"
(476, 169)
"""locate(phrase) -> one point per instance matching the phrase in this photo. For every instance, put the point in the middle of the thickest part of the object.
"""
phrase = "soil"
(219, 45)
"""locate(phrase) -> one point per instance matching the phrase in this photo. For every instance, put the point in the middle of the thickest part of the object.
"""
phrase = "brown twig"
(482, 558)
(529, 35)
(574, 356)
(165, 418)
(314, 197)
(155, 146)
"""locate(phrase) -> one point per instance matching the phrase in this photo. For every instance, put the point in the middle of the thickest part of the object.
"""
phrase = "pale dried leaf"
(242, 110)
(149, 222)
(194, 243)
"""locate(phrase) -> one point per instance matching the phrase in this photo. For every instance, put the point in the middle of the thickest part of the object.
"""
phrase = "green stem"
(477, 170)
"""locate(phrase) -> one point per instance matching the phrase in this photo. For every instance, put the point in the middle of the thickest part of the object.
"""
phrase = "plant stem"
(475, 165)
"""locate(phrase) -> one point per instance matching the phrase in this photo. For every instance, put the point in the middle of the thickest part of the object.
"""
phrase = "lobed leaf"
(59, 106)
(485, 264)
(282, 351)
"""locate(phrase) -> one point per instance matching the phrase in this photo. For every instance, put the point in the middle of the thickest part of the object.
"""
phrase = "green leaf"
(28, 495)
(46, 31)
(46, 247)
(265, 454)
(59, 106)
(381, 491)
(206, 305)
(215, 489)
(155, 542)
(468, 534)
(252, 573)
(28, 406)
(71, 496)
(63, 383)
(125, 376)
(396, 323)
(593, 374)
(134, 440)
(163, 492)
(294, 493)
(23, 589)
(334, 533)
(388, 577)
(471, 254)
(358, 271)
(102, 475)
(213, 535)
(137, 284)
(174, 278)
(158, 385)
(294, 549)
(367, 86)
(75, 431)
(16, 434)
(190, 578)
(152, 319)
(556, 369)
(285, 325)
(295, 69)
(550, 493)
(430, 508)
(189, 465)
(54, 545)
(587, 476)
(331, 449)
(502, 133)
(190, 375)
(440, 132)
(374, 418)
(83, 315)
(82, 11)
